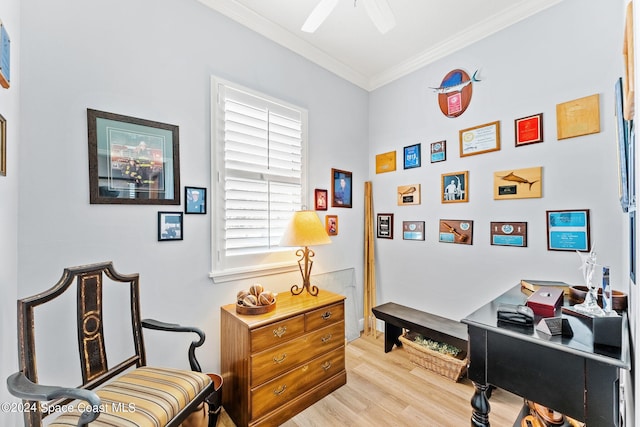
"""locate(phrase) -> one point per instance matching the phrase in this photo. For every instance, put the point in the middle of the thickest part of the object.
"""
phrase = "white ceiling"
(349, 45)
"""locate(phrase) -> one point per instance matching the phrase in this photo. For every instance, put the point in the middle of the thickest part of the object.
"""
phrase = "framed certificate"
(528, 130)
(438, 151)
(413, 230)
(385, 226)
(412, 156)
(509, 234)
(568, 230)
(480, 139)
(386, 162)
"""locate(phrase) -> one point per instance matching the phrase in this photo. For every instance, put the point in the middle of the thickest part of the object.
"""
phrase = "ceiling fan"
(378, 10)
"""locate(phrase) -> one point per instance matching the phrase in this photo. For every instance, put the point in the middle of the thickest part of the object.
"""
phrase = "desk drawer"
(276, 333)
(324, 316)
(275, 361)
(282, 389)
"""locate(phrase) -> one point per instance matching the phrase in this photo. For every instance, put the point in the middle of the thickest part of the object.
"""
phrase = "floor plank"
(386, 389)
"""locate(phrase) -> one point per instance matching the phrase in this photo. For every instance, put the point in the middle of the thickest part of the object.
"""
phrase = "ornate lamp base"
(305, 255)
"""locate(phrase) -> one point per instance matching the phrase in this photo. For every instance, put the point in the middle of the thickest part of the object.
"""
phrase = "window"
(259, 157)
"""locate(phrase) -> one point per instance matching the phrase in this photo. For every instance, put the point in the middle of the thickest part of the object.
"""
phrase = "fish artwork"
(408, 191)
(454, 83)
(518, 179)
(455, 92)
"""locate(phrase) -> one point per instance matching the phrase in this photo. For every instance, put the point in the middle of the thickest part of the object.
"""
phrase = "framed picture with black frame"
(132, 161)
(385, 226)
(169, 226)
(568, 230)
(412, 157)
(195, 200)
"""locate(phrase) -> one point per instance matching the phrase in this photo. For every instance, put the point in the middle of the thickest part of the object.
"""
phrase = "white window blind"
(260, 145)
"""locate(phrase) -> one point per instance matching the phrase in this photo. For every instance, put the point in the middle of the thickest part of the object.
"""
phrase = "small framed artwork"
(385, 226)
(455, 187)
(409, 194)
(169, 226)
(578, 117)
(456, 231)
(438, 151)
(132, 161)
(341, 188)
(480, 139)
(331, 224)
(3, 146)
(413, 230)
(528, 130)
(412, 158)
(568, 230)
(5, 57)
(517, 183)
(321, 199)
(195, 200)
(509, 234)
(386, 162)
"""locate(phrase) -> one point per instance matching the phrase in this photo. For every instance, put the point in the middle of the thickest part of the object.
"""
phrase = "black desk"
(567, 374)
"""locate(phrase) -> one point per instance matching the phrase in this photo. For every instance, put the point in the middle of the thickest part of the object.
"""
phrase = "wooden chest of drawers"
(277, 364)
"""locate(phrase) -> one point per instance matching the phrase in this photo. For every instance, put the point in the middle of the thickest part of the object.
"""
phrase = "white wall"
(153, 59)
(10, 110)
(566, 52)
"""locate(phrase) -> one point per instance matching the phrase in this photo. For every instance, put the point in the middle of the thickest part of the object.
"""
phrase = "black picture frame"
(384, 226)
(132, 160)
(568, 230)
(170, 226)
(341, 188)
(195, 200)
(3, 146)
(412, 156)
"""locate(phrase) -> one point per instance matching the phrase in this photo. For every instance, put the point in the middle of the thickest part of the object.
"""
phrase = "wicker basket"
(443, 364)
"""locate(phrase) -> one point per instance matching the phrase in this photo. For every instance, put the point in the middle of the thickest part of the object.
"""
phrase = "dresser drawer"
(276, 333)
(275, 361)
(324, 316)
(282, 389)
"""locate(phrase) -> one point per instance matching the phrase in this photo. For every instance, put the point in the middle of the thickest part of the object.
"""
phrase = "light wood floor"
(386, 389)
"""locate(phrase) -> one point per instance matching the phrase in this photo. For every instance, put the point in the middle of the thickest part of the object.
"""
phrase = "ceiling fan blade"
(381, 14)
(318, 15)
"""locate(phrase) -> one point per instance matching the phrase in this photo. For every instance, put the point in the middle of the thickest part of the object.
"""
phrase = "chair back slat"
(93, 356)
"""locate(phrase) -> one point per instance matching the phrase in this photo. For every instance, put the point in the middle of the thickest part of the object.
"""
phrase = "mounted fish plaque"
(517, 184)
(454, 93)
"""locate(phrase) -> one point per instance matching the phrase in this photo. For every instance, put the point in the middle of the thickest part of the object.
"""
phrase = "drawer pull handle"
(325, 339)
(326, 315)
(280, 331)
(280, 390)
(281, 359)
(326, 365)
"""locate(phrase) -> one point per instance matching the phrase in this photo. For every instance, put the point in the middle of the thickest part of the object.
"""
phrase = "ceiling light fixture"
(378, 10)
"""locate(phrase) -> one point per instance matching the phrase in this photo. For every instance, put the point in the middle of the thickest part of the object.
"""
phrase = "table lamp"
(305, 229)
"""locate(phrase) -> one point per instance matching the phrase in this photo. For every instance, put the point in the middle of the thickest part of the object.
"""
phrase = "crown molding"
(283, 37)
(461, 40)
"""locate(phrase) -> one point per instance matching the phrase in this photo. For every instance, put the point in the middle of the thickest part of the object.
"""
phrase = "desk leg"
(480, 405)
(391, 334)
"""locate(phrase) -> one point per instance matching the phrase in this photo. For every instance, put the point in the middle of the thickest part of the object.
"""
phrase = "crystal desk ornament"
(590, 304)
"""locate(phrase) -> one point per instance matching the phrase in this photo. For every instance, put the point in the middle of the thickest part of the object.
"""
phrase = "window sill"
(234, 274)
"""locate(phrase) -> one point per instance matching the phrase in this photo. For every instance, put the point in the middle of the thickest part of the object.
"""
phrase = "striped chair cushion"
(144, 397)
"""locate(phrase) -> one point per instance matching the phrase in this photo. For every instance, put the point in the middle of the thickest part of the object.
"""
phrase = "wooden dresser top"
(286, 305)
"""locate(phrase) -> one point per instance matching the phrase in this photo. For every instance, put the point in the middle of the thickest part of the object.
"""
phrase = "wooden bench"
(125, 392)
(397, 317)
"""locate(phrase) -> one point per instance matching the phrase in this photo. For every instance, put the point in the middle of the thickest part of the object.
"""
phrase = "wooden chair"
(126, 393)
